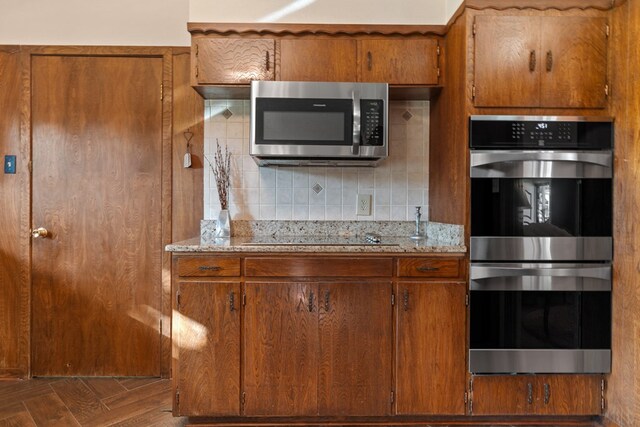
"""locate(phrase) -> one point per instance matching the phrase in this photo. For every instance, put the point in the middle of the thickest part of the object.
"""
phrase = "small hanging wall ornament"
(187, 156)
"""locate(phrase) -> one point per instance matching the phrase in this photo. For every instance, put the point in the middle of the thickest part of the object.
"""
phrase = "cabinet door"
(568, 395)
(507, 61)
(573, 62)
(503, 394)
(330, 60)
(355, 347)
(406, 62)
(207, 342)
(280, 349)
(232, 61)
(430, 361)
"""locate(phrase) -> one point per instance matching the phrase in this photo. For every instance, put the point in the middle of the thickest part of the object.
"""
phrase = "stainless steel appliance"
(541, 244)
(319, 123)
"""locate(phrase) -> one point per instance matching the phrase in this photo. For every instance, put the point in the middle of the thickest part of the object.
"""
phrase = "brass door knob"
(39, 232)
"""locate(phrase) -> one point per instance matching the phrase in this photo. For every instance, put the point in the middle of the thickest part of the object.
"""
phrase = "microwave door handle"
(489, 158)
(355, 148)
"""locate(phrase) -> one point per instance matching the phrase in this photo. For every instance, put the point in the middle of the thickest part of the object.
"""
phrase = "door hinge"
(161, 327)
(196, 71)
(603, 385)
(393, 396)
(474, 28)
(243, 398)
(438, 71)
(393, 299)
(438, 50)
(466, 398)
(178, 300)
(466, 300)
(606, 90)
(607, 30)
(473, 91)
(244, 299)
(162, 92)
(470, 397)
(177, 399)
(197, 49)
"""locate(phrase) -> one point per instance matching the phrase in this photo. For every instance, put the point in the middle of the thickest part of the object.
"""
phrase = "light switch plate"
(364, 205)
(9, 164)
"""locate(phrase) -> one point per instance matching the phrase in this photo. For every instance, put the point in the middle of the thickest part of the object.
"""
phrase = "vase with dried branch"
(221, 168)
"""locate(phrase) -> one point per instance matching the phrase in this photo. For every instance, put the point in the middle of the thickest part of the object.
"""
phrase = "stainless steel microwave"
(319, 123)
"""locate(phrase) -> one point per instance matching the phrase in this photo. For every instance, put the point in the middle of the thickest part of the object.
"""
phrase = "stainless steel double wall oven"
(541, 244)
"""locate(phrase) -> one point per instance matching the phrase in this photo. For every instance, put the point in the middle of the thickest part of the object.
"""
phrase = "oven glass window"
(545, 207)
(540, 320)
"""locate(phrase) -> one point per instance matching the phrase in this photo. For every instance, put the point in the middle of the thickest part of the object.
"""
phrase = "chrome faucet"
(417, 235)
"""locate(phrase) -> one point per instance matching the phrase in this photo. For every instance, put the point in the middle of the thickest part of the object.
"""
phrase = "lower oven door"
(540, 318)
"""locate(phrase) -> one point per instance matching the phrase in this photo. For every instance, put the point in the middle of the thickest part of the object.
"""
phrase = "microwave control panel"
(371, 121)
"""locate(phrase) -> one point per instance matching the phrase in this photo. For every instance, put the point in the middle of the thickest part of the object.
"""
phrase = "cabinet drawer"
(318, 267)
(424, 267)
(208, 266)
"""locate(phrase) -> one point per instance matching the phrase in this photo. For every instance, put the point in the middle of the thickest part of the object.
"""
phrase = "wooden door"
(97, 151)
(280, 338)
(507, 61)
(207, 345)
(329, 60)
(430, 361)
(355, 346)
(232, 61)
(395, 61)
(568, 395)
(574, 62)
(503, 394)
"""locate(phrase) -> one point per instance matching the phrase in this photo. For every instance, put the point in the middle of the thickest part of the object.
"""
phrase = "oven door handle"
(552, 278)
(540, 164)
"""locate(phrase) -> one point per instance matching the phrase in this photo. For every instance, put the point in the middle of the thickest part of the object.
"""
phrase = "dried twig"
(221, 168)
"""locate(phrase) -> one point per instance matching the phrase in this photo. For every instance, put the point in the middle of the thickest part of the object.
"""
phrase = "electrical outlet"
(364, 205)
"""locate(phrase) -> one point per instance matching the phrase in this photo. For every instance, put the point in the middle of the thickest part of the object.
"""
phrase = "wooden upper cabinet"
(397, 61)
(540, 61)
(430, 348)
(537, 395)
(206, 338)
(232, 60)
(328, 60)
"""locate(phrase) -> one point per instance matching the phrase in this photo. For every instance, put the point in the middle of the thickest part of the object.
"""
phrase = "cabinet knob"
(39, 232)
(369, 61)
(549, 61)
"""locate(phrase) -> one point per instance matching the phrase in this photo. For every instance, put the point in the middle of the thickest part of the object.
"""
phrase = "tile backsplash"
(397, 185)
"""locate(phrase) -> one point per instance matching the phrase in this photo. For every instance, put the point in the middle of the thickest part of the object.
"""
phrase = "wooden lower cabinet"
(536, 394)
(206, 348)
(430, 348)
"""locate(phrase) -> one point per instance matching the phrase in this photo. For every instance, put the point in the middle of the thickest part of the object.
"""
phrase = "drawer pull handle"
(327, 306)
(266, 57)
(529, 393)
(547, 394)
(232, 301)
(549, 61)
(427, 269)
(405, 300)
(369, 61)
(209, 268)
(532, 61)
(310, 302)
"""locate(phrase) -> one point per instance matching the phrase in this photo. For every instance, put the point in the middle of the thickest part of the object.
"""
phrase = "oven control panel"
(509, 132)
(371, 121)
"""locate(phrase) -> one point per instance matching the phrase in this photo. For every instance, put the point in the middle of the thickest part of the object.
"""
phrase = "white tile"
(267, 211)
(300, 212)
(300, 178)
(284, 212)
(267, 178)
(399, 213)
(235, 130)
(382, 179)
(382, 213)
(252, 196)
(334, 178)
(349, 212)
(333, 196)
(415, 181)
(397, 132)
(284, 196)
(399, 196)
(249, 165)
(414, 198)
(317, 199)
(250, 180)
(349, 196)
(333, 212)
(382, 197)
(216, 130)
(317, 212)
(301, 196)
(237, 109)
(284, 178)
(267, 196)
(365, 179)
(350, 181)
(252, 211)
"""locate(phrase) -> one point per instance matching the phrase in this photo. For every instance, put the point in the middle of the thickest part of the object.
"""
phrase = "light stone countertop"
(324, 237)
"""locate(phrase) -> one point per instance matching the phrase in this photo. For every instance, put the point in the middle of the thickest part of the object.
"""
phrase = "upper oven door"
(541, 205)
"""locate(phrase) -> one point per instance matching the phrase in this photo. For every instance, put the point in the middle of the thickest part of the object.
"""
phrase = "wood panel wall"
(182, 205)
(14, 246)
(623, 391)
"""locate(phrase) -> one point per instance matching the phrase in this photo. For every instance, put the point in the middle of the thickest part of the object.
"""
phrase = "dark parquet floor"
(87, 402)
